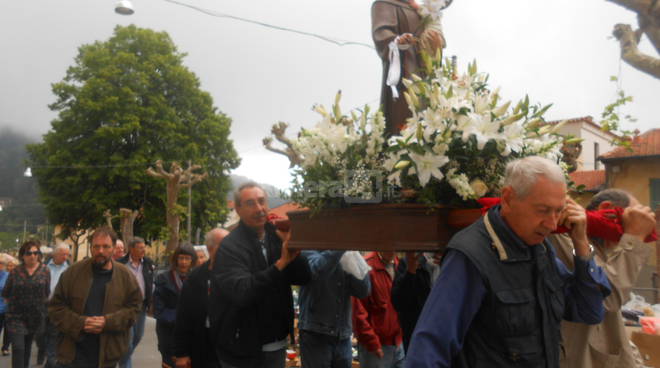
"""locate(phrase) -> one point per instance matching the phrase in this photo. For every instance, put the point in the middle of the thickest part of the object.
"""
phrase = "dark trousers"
(5, 335)
(21, 346)
(272, 359)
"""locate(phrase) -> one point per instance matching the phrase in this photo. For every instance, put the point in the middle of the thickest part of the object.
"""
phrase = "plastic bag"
(636, 303)
(353, 263)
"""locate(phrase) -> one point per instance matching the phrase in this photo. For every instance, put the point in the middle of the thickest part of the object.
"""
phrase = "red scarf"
(606, 224)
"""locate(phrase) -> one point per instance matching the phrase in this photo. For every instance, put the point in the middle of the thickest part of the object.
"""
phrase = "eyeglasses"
(99, 246)
(30, 253)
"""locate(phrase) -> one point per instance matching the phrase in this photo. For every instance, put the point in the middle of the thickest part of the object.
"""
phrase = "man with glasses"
(142, 268)
(253, 274)
(95, 331)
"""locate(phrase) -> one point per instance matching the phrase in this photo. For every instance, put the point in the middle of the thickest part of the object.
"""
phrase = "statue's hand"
(436, 39)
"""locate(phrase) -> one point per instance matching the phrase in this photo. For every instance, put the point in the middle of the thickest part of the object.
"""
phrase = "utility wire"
(336, 41)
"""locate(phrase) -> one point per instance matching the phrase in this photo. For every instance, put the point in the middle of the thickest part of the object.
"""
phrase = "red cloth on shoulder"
(604, 224)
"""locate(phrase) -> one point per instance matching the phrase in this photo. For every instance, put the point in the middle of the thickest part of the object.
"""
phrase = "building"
(595, 141)
(636, 169)
(590, 182)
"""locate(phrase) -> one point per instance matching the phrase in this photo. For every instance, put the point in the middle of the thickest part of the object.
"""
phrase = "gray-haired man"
(502, 293)
(57, 265)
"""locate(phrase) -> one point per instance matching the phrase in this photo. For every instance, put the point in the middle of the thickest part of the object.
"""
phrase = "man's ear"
(507, 195)
(604, 205)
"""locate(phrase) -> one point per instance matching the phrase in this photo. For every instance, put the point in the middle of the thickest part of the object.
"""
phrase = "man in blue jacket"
(502, 293)
(325, 311)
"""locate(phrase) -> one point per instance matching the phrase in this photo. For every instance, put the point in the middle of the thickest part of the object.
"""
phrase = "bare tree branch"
(631, 54)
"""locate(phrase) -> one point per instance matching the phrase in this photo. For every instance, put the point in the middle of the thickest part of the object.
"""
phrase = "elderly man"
(193, 347)
(607, 344)
(142, 268)
(93, 306)
(57, 265)
(254, 271)
(501, 292)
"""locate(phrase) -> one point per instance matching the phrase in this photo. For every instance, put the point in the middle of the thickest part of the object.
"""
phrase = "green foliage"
(125, 103)
(612, 120)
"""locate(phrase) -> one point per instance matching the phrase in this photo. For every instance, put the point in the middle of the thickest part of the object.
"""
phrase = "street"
(146, 355)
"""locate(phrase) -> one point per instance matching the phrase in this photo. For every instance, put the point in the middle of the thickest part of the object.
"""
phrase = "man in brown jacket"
(94, 305)
(607, 344)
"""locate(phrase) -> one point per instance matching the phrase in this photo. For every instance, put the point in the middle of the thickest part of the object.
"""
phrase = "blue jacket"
(3, 280)
(325, 302)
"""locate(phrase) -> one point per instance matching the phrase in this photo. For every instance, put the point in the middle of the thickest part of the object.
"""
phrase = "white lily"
(428, 165)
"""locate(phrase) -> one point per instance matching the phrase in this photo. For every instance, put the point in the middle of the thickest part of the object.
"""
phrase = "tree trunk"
(127, 220)
(173, 220)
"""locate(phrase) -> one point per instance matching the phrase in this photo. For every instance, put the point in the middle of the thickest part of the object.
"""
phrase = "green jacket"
(123, 300)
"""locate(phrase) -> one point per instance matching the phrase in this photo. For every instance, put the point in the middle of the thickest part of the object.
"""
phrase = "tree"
(648, 21)
(177, 178)
(124, 104)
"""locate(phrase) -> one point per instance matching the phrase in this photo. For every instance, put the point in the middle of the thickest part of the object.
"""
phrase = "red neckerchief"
(606, 224)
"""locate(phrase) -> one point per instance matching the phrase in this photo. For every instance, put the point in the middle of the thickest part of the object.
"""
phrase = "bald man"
(192, 325)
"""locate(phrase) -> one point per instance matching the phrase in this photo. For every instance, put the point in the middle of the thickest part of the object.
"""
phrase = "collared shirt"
(137, 272)
(55, 273)
(449, 310)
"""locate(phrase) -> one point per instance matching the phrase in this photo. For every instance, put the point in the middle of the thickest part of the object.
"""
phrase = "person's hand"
(379, 353)
(638, 221)
(183, 362)
(287, 255)
(412, 260)
(94, 325)
(574, 217)
(406, 39)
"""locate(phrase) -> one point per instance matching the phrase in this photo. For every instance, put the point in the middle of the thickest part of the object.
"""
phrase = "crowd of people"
(508, 291)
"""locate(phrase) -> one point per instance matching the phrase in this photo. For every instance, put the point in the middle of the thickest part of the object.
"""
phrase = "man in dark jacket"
(143, 269)
(412, 284)
(192, 343)
(252, 302)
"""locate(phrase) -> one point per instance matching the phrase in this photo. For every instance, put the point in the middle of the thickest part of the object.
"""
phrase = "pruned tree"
(126, 222)
(648, 22)
(177, 178)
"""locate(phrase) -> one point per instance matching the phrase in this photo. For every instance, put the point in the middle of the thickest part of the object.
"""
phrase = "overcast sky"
(556, 51)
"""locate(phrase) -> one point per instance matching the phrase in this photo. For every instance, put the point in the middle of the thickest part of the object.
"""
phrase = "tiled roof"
(647, 144)
(591, 179)
(586, 119)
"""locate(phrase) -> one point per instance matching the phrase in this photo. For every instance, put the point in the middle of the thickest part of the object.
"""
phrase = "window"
(596, 154)
(655, 193)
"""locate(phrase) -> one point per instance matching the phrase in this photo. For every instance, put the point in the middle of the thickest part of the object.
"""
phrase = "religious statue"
(401, 29)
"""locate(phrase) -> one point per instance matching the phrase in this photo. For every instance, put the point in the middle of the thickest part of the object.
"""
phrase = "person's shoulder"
(121, 268)
(123, 259)
(475, 233)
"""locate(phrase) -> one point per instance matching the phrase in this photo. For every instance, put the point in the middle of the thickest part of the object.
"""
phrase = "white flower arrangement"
(460, 134)
(339, 158)
(453, 149)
